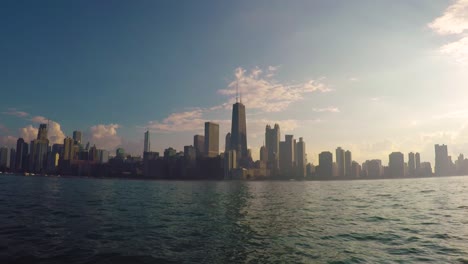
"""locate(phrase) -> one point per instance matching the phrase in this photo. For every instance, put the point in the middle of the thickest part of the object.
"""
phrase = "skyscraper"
(411, 164)
(348, 164)
(21, 155)
(39, 149)
(77, 136)
(272, 142)
(340, 162)
(301, 158)
(418, 163)
(325, 168)
(4, 157)
(199, 145)
(147, 147)
(227, 143)
(42, 132)
(211, 139)
(263, 154)
(441, 160)
(12, 159)
(396, 164)
(287, 156)
(67, 149)
(239, 131)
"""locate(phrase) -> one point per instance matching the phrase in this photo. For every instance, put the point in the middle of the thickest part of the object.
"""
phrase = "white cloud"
(15, 112)
(353, 79)
(330, 109)
(261, 91)
(54, 133)
(39, 120)
(28, 133)
(8, 141)
(183, 121)
(105, 136)
(453, 21)
(458, 50)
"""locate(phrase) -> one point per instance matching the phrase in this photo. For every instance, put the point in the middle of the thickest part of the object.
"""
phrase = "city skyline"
(368, 94)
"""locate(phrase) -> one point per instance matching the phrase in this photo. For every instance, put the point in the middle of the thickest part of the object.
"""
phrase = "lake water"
(78, 220)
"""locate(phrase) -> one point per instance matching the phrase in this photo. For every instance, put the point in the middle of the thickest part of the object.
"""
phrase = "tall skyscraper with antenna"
(239, 129)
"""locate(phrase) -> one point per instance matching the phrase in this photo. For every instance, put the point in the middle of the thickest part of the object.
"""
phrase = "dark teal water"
(77, 220)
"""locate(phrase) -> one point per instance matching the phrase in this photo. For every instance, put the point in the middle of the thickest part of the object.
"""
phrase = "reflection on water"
(76, 220)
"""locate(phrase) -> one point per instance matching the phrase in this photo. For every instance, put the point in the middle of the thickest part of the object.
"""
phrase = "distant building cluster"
(279, 159)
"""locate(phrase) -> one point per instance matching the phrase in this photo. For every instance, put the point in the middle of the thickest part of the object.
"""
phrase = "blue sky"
(369, 76)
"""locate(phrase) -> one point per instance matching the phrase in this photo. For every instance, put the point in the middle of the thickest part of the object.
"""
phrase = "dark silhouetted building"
(417, 158)
(340, 162)
(239, 131)
(147, 146)
(411, 165)
(325, 167)
(77, 137)
(301, 159)
(4, 158)
(441, 160)
(21, 155)
(287, 151)
(199, 145)
(38, 150)
(211, 139)
(396, 164)
(348, 164)
(227, 142)
(272, 144)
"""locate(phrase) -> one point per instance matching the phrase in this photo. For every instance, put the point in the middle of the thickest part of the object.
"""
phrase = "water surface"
(79, 220)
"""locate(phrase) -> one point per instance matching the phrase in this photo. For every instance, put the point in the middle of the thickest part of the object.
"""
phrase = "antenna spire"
(237, 91)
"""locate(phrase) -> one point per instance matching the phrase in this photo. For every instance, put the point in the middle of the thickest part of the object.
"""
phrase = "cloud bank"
(454, 21)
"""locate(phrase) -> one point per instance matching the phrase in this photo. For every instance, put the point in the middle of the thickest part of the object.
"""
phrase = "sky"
(370, 76)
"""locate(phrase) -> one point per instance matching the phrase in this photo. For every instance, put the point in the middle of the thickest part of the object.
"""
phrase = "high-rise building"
(67, 148)
(272, 141)
(38, 155)
(230, 163)
(227, 143)
(355, 170)
(42, 132)
(4, 157)
(325, 167)
(301, 158)
(21, 155)
(239, 131)
(212, 139)
(93, 154)
(190, 154)
(441, 160)
(287, 158)
(396, 164)
(348, 164)
(147, 147)
(199, 145)
(340, 162)
(411, 164)
(38, 150)
(263, 154)
(12, 159)
(77, 136)
(374, 168)
(418, 163)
